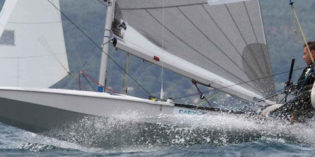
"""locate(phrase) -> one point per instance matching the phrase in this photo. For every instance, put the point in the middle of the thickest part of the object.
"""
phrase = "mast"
(170, 40)
(107, 38)
(162, 84)
(126, 74)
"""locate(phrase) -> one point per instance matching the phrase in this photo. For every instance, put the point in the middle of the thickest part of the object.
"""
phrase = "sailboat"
(218, 44)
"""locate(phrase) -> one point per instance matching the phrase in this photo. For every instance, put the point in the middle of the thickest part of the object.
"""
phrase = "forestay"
(220, 44)
(32, 47)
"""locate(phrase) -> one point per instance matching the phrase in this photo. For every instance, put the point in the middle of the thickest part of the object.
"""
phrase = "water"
(219, 135)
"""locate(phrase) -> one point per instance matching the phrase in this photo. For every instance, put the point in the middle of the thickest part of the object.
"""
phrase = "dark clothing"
(305, 81)
(300, 106)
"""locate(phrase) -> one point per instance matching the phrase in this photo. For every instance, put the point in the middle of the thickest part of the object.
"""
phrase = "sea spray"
(133, 130)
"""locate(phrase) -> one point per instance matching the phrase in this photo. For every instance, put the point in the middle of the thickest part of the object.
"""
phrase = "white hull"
(46, 109)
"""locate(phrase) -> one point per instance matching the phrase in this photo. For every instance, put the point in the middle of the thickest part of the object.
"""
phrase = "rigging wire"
(240, 83)
(96, 45)
(276, 93)
(304, 39)
(187, 18)
(90, 78)
(207, 100)
(191, 47)
(94, 42)
(301, 30)
(200, 53)
(88, 82)
(242, 36)
(229, 40)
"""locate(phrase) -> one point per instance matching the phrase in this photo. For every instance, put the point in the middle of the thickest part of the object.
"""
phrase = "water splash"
(133, 131)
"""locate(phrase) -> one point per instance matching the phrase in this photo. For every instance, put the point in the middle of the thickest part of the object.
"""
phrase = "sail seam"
(216, 46)
(264, 38)
(229, 40)
(241, 35)
(209, 59)
(172, 6)
(252, 27)
(267, 70)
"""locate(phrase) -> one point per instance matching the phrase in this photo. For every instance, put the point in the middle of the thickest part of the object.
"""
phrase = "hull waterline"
(44, 110)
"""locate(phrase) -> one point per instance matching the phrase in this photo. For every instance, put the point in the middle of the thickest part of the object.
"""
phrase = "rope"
(276, 93)
(89, 77)
(296, 32)
(88, 82)
(79, 80)
(199, 92)
(96, 45)
(127, 73)
(208, 99)
(301, 30)
(245, 82)
(85, 34)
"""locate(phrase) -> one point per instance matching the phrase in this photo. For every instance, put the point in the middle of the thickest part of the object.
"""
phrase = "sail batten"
(225, 39)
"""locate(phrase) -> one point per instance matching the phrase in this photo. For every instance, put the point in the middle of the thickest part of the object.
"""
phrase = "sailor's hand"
(289, 87)
(287, 84)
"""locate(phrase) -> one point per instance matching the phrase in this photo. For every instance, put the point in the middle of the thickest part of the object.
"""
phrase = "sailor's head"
(306, 55)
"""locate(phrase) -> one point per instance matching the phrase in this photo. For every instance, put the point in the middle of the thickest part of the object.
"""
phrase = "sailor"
(306, 79)
(300, 107)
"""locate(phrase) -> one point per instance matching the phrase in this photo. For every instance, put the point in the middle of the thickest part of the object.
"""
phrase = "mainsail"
(32, 47)
(218, 44)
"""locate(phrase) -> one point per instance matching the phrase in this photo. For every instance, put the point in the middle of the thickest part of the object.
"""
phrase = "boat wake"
(132, 131)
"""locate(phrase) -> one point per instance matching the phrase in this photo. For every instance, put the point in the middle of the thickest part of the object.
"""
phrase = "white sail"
(220, 45)
(32, 46)
(5, 13)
